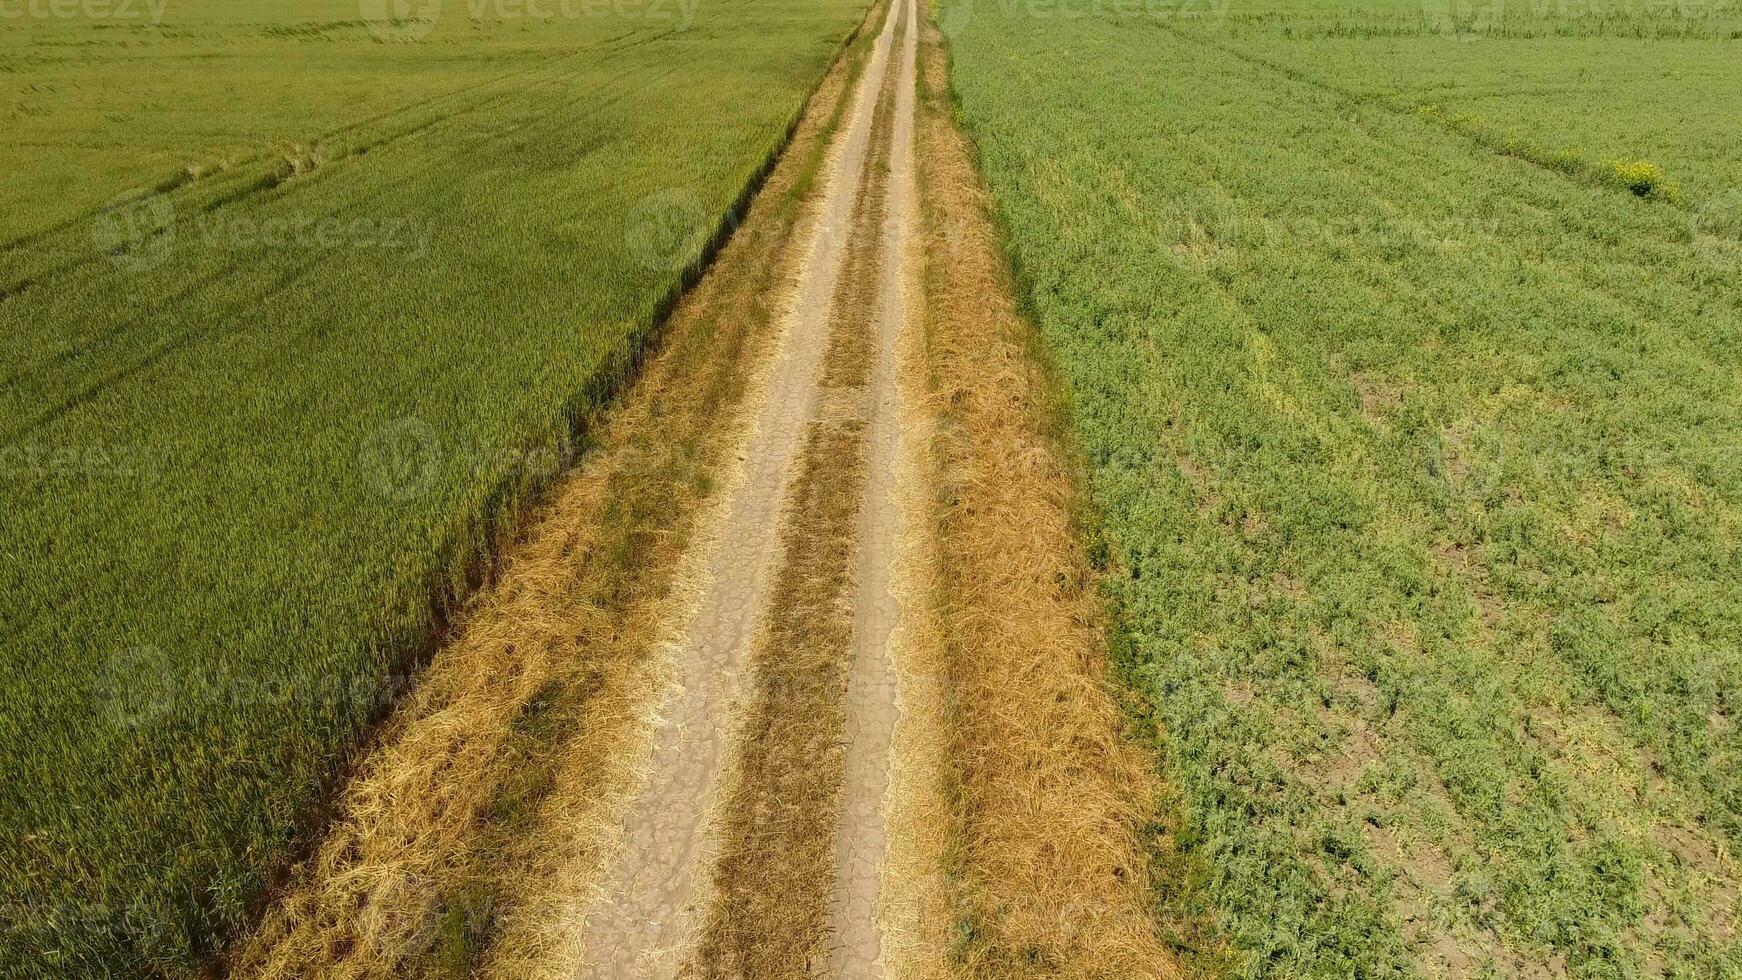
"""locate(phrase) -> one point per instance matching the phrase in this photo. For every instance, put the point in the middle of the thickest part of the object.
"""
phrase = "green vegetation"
(460, 937)
(1572, 85)
(1415, 463)
(1643, 178)
(298, 308)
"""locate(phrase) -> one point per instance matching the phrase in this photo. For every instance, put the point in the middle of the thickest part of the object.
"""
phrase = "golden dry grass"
(1048, 868)
(469, 835)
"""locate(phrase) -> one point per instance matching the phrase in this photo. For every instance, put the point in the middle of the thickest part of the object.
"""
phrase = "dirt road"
(775, 735)
(801, 672)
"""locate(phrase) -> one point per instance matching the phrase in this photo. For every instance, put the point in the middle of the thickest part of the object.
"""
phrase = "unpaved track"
(872, 710)
(802, 673)
(661, 893)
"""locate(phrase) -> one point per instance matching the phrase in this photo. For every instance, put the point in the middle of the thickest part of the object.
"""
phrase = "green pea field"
(1403, 348)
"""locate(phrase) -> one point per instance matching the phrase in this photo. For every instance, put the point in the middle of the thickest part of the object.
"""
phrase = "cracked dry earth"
(753, 848)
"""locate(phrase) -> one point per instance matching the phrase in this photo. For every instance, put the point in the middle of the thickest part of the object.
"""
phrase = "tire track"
(872, 711)
(662, 892)
(801, 827)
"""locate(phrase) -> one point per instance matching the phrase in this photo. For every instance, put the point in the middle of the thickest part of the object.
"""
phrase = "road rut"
(691, 893)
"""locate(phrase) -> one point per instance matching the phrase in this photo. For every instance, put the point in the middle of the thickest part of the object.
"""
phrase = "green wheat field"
(299, 308)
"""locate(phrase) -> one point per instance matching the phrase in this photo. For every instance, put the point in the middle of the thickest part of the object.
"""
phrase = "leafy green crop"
(297, 309)
(1570, 85)
(1417, 465)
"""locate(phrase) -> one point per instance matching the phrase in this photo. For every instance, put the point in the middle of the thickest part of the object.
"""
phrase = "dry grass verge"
(1048, 861)
(467, 839)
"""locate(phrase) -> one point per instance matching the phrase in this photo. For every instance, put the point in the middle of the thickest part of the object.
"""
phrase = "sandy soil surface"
(659, 896)
(872, 711)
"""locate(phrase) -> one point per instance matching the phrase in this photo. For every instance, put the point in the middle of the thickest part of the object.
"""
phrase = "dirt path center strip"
(661, 893)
